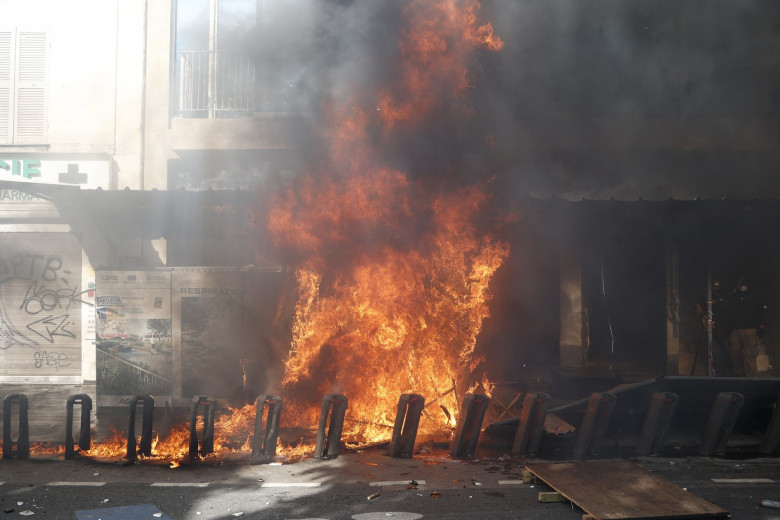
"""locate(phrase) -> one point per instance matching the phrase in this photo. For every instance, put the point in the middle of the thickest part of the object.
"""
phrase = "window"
(23, 68)
(237, 58)
(215, 73)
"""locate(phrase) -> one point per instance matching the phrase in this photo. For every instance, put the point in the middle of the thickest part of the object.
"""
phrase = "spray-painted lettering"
(27, 266)
(51, 359)
(43, 299)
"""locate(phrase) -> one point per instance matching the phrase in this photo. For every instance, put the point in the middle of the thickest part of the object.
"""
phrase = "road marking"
(509, 482)
(397, 483)
(743, 480)
(396, 515)
(291, 484)
(180, 484)
(93, 484)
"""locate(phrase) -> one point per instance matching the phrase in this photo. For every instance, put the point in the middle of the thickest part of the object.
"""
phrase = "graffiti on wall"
(41, 300)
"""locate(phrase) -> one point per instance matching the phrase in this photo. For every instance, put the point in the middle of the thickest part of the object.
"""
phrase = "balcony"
(225, 101)
(215, 84)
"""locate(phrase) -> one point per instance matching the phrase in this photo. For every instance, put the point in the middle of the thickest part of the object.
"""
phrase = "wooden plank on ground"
(620, 489)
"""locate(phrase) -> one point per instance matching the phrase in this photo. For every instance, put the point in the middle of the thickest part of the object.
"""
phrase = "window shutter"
(6, 51)
(30, 118)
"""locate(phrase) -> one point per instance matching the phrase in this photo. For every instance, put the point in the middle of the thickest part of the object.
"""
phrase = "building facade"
(113, 95)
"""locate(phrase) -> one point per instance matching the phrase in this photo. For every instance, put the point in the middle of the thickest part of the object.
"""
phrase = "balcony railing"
(216, 84)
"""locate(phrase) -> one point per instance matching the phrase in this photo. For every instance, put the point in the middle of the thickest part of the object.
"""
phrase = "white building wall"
(94, 122)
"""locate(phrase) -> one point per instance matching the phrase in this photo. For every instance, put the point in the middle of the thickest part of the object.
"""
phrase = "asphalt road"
(340, 489)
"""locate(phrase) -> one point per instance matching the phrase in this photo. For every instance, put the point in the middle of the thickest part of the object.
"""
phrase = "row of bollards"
(266, 431)
(657, 424)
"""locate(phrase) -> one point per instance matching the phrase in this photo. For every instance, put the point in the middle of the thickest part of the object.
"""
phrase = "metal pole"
(709, 322)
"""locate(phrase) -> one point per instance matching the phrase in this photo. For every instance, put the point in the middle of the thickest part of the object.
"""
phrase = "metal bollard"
(264, 442)
(657, 423)
(531, 424)
(472, 412)
(209, 413)
(594, 424)
(407, 420)
(85, 437)
(328, 445)
(723, 416)
(145, 446)
(22, 444)
(771, 439)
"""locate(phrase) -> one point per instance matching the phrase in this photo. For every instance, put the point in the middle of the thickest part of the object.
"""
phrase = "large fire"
(393, 274)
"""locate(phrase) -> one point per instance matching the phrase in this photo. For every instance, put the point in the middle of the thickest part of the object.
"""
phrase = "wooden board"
(620, 489)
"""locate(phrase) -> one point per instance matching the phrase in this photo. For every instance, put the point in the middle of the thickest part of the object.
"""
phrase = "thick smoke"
(592, 99)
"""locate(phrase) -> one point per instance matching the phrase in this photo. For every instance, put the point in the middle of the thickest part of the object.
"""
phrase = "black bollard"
(723, 416)
(328, 445)
(85, 437)
(22, 444)
(472, 413)
(145, 446)
(209, 412)
(265, 438)
(407, 420)
(594, 424)
(531, 424)
(657, 423)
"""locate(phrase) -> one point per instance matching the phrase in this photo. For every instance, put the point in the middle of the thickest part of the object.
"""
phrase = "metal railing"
(134, 378)
(216, 84)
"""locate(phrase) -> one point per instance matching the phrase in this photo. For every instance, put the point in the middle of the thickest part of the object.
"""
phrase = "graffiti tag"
(51, 359)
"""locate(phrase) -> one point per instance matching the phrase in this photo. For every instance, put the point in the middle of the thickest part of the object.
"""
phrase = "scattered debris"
(551, 497)
(554, 425)
(372, 497)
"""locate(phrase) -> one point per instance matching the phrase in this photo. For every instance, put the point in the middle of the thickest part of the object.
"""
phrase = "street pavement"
(360, 486)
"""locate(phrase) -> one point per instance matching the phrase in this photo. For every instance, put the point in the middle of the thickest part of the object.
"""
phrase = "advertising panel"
(133, 333)
(226, 321)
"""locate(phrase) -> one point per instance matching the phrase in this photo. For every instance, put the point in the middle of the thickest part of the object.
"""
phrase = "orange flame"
(393, 282)
(436, 44)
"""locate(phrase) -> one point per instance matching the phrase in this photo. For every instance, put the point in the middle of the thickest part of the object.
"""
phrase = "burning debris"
(393, 274)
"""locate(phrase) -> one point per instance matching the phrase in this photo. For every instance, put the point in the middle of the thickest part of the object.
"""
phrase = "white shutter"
(6, 74)
(31, 64)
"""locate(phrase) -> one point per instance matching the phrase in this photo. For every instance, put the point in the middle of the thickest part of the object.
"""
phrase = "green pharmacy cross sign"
(31, 169)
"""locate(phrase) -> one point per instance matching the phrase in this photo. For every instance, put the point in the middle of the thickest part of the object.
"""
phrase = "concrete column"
(159, 41)
(574, 339)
